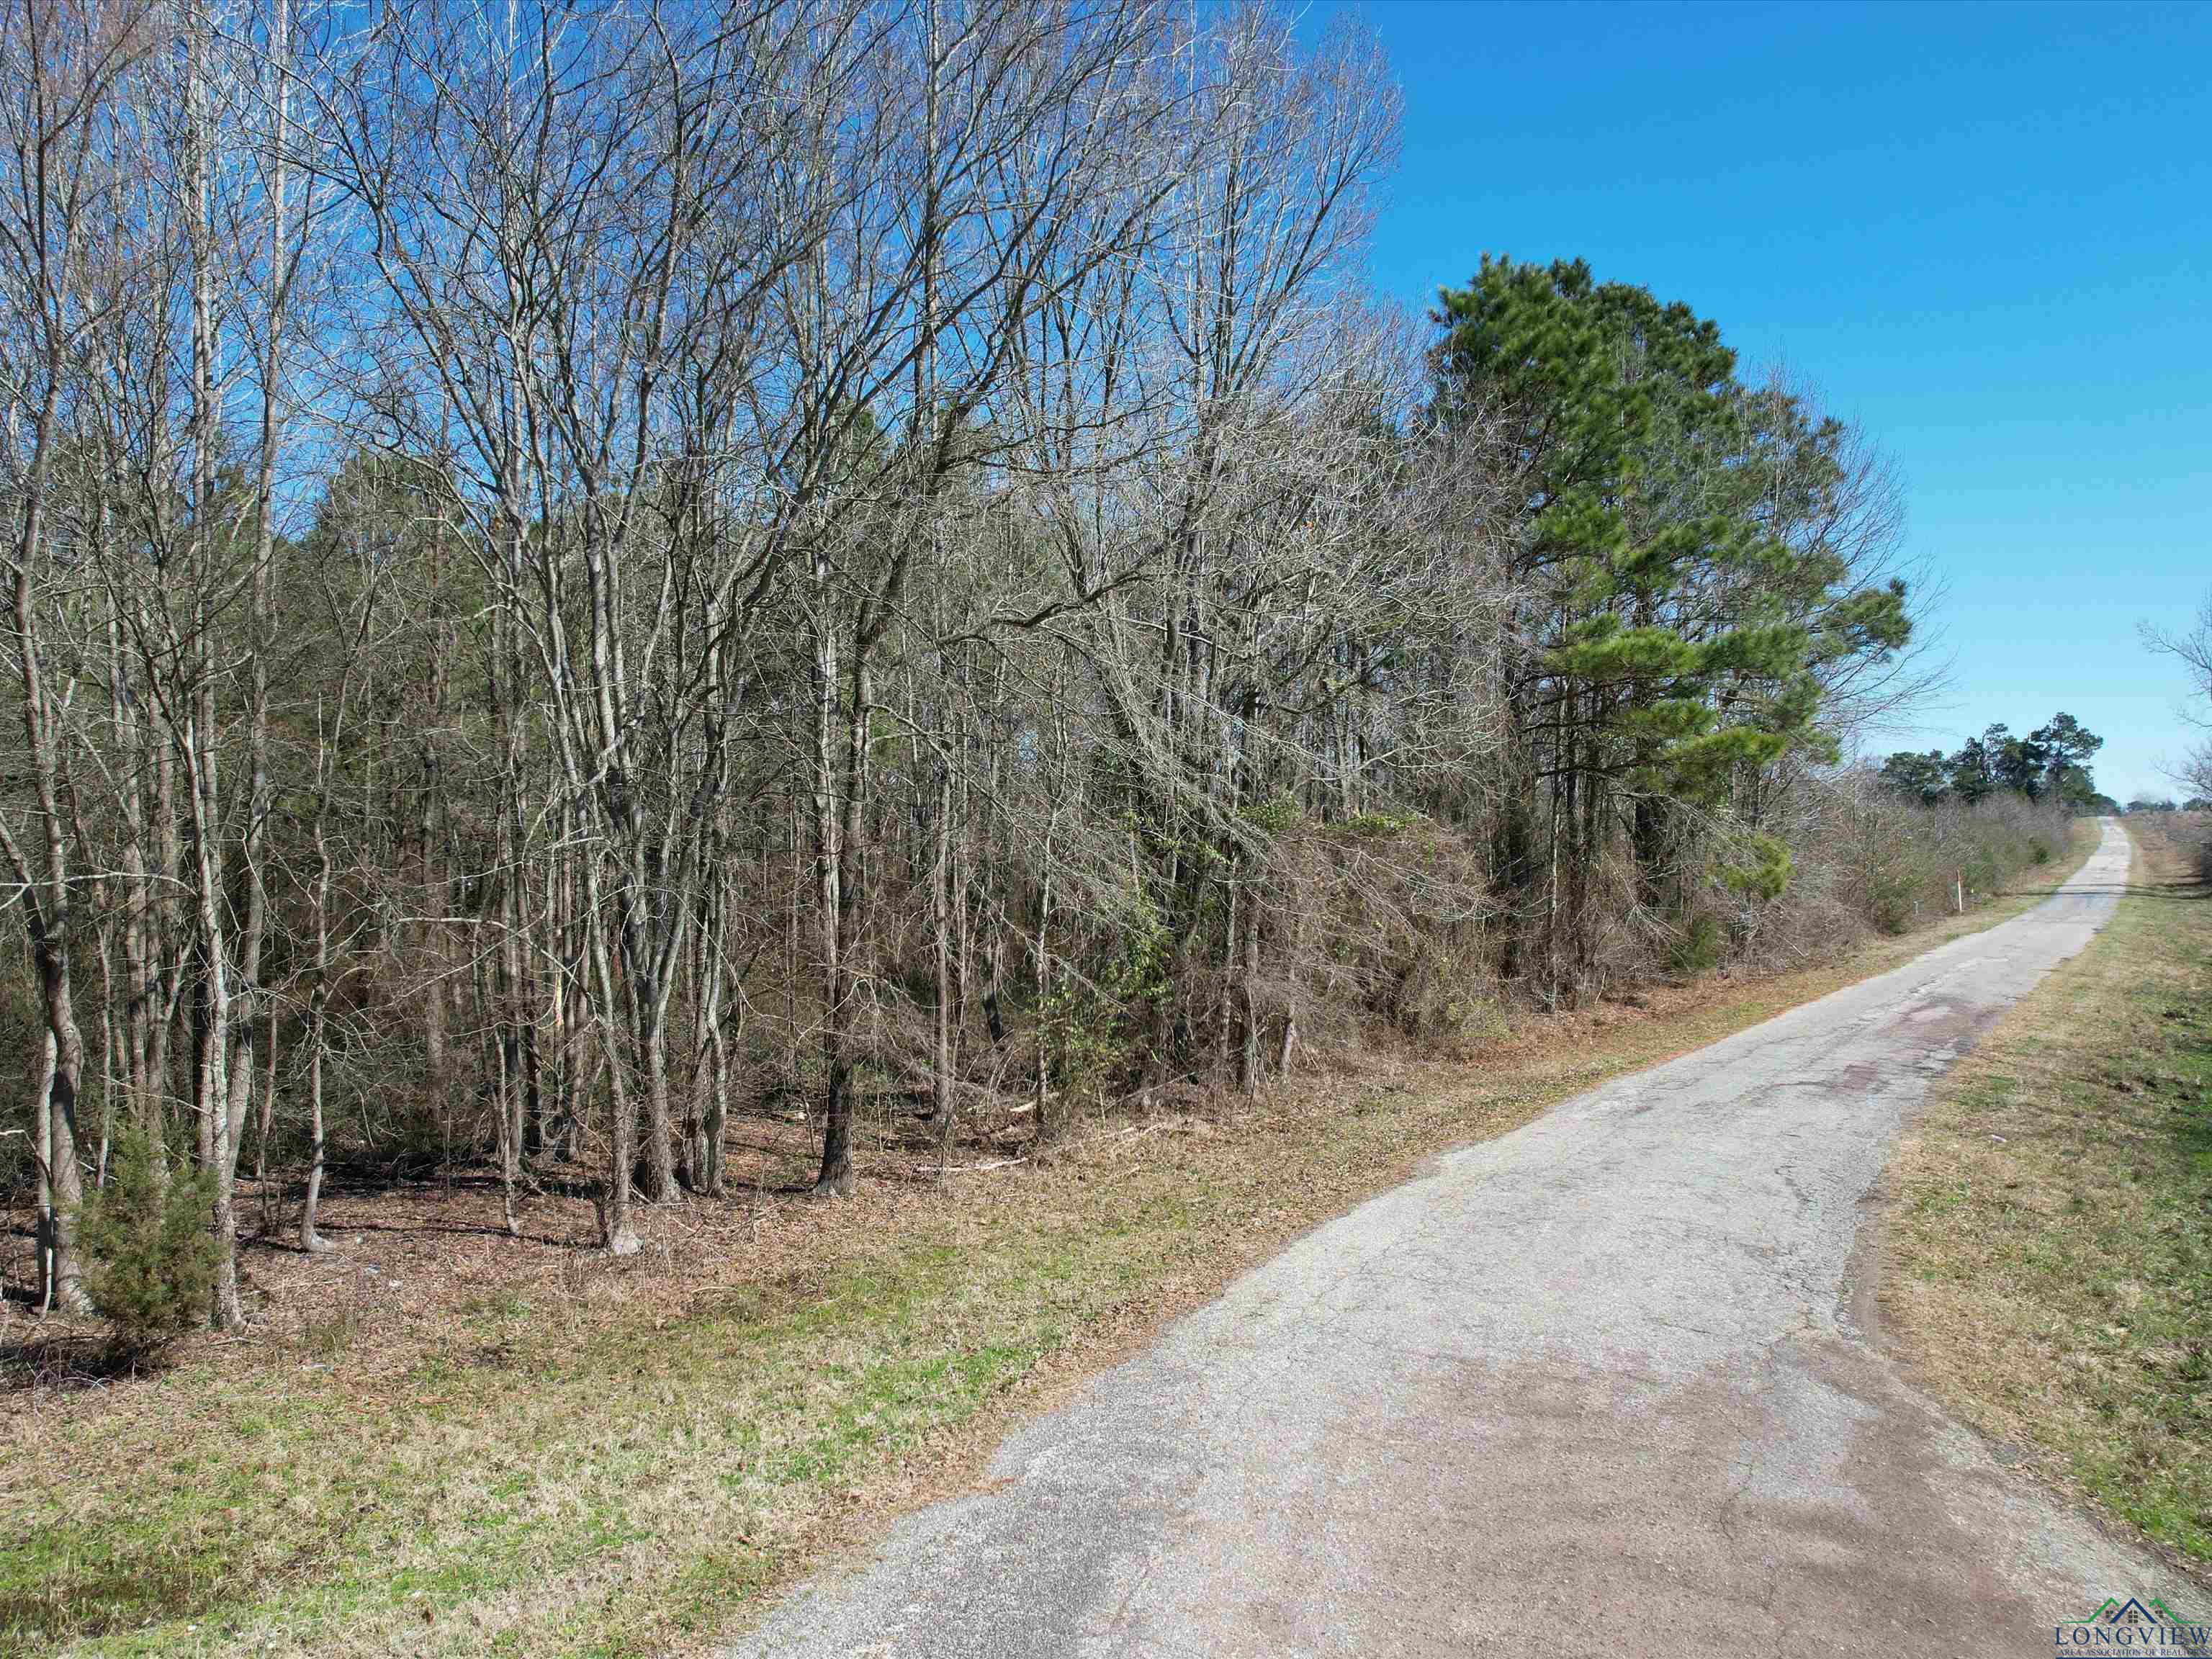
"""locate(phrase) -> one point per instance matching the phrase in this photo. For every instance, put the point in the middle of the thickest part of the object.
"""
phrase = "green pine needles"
(1686, 598)
(151, 1259)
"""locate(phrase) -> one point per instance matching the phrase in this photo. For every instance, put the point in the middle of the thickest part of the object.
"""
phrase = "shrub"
(151, 1258)
(1890, 861)
(1700, 946)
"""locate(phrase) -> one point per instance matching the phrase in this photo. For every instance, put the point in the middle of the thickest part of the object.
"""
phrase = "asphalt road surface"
(1609, 1385)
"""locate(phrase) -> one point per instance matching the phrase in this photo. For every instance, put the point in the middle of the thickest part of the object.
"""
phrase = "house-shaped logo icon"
(2152, 1627)
(2117, 1611)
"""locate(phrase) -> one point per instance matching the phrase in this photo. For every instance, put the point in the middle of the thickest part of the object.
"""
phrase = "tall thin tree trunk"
(201, 733)
(940, 883)
(617, 1233)
(318, 994)
(836, 1172)
(1049, 1121)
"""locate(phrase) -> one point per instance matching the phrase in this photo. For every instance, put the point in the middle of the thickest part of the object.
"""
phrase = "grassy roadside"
(2051, 1243)
(614, 1467)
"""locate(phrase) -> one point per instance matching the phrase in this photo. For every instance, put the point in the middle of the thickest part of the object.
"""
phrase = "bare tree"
(2193, 651)
(62, 67)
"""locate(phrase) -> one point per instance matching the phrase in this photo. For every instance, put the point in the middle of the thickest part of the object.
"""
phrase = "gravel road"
(1610, 1383)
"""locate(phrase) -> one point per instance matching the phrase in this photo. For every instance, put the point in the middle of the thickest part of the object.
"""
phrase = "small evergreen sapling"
(151, 1256)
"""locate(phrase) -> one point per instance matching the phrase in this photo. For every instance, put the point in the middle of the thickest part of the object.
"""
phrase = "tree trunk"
(1248, 1076)
(319, 998)
(617, 1233)
(941, 924)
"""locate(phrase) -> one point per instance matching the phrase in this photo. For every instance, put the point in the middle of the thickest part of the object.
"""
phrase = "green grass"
(619, 1468)
(286, 1509)
(2053, 1239)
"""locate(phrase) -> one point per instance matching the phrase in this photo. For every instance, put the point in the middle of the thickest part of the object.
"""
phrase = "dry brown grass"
(497, 1447)
(2052, 1238)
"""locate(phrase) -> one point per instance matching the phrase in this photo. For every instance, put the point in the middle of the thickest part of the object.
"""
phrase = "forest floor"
(440, 1440)
(2052, 1234)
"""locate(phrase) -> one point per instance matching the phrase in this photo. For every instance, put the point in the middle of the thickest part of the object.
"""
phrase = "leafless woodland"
(579, 571)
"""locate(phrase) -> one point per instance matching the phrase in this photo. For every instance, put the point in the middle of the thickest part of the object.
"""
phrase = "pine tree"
(1676, 614)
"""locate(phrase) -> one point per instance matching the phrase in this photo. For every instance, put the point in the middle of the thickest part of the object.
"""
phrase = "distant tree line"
(2051, 762)
(578, 571)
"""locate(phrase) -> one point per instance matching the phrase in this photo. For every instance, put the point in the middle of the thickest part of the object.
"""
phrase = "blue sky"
(1983, 233)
